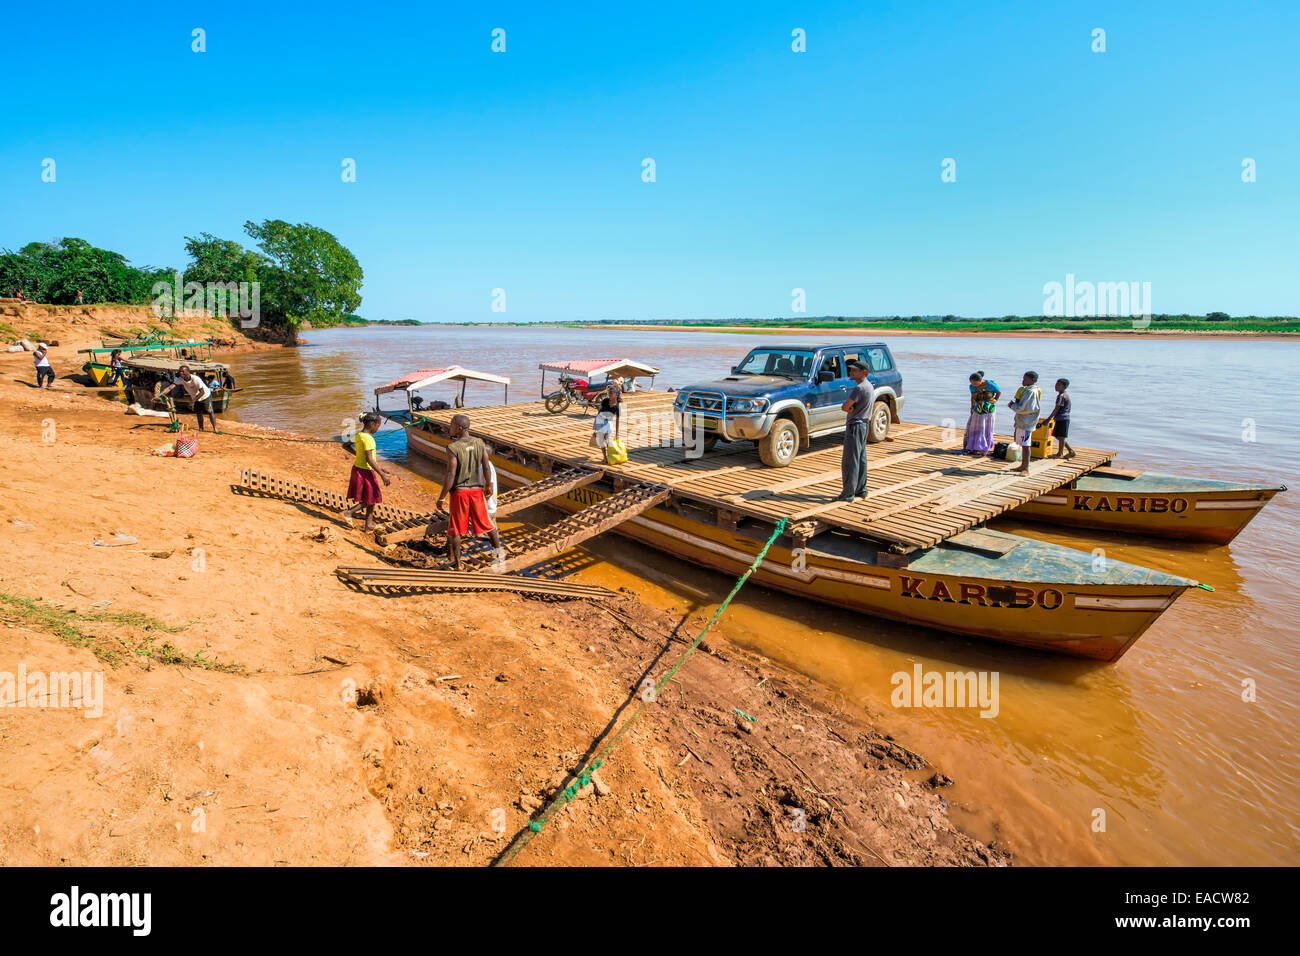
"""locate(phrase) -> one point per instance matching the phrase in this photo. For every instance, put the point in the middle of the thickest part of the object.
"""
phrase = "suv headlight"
(748, 405)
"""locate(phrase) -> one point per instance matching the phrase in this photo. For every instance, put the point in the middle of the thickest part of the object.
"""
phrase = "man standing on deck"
(466, 460)
(1027, 404)
(858, 406)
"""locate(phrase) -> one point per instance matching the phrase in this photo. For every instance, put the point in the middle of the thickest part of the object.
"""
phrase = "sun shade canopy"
(421, 378)
(611, 368)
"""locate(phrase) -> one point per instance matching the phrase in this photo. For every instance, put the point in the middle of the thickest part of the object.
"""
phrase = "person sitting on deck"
(464, 480)
(199, 394)
(1026, 405)
(362, 487)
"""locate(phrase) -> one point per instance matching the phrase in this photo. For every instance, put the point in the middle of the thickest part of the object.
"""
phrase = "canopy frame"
(423, 378)
(589, 368)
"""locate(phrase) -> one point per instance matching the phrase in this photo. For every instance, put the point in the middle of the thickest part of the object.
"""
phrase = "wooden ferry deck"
(921, 490)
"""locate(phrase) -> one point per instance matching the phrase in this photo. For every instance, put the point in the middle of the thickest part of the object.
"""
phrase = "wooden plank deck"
(920, 489)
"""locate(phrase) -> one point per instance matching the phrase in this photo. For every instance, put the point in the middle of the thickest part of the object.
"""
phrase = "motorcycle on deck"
(575, 391)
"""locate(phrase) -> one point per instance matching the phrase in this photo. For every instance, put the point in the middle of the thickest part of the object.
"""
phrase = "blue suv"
(782, 396)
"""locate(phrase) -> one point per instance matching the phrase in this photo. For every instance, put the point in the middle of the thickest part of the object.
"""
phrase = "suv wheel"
(777, 449)
(878, 427)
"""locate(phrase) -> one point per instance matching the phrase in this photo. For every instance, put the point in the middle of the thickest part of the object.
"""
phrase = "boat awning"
(154, 363)
(422, 378)
(610, 368)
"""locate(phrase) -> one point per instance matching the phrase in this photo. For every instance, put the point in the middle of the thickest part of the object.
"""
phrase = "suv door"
(830, 395)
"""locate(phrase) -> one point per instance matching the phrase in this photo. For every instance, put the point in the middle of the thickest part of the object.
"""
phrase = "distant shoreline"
(880, 329)
(996, 333)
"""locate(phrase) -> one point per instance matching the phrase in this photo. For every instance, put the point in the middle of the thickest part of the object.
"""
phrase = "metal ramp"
(268, 486)
(420, 581)
(533, 547)
(517, 499)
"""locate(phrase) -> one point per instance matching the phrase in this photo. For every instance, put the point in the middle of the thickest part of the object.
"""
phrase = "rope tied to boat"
(583, 778)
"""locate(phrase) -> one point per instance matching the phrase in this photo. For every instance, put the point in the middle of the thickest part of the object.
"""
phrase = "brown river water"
(1186, 771)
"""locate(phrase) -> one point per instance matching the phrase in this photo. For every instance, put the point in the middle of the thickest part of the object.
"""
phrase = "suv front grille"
(713, 402)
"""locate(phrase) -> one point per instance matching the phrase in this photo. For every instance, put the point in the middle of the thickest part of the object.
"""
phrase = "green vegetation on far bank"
(1211, 322)
(357, 322)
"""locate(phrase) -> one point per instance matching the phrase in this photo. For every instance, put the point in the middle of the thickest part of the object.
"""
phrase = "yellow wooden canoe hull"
(1098, 621)
(99, 374)
(1188, 509)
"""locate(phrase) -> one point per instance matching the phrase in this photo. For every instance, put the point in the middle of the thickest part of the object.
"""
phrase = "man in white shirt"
(198, 392)
(44, 371)
(1027, 404)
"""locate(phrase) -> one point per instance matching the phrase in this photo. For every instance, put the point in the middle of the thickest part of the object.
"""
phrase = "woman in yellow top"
(362, 487)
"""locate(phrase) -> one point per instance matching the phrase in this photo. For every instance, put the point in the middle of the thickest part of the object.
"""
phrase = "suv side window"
(878, 360)
(835, 364)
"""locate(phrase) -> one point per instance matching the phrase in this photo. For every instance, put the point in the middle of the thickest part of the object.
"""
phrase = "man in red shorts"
(465, 471)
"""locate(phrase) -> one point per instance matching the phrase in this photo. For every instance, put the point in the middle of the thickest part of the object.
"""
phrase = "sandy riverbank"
(255, 711)
(86, 326)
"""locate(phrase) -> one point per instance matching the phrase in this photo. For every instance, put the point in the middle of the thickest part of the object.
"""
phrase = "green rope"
(568, 794)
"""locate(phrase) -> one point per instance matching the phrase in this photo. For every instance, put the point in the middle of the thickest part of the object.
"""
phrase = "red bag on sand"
(186, 446)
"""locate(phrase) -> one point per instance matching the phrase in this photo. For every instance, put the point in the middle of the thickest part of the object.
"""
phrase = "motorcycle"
(575, 391)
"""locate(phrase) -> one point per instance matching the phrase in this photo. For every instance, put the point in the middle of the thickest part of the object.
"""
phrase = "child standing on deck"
(1060, 419)
(362, 486)
(1026, 405)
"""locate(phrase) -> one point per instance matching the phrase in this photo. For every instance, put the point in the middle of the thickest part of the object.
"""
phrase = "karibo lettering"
(1155, 504)
(984, 595)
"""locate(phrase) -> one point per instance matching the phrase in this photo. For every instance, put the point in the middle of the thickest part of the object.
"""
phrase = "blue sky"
(775, 170)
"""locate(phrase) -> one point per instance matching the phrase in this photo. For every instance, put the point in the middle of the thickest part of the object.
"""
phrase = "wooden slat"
(422, 580)
(572, 531)
(949, 493)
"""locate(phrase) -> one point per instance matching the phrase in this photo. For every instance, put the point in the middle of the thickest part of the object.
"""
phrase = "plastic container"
(1041, 443)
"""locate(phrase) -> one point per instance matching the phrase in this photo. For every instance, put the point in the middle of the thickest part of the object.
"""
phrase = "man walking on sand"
(853, 466)
(362, 487)
(464, 480)
(44, 371)
(1027, 403)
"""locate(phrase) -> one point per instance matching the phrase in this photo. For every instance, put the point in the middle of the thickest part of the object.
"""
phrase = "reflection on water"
(1185, 770)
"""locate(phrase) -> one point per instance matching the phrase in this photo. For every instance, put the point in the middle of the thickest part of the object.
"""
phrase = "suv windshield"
(791, 364)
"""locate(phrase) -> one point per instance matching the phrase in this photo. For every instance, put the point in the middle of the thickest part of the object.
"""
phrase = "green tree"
(312, 276)
(55, 272)
(222, 260)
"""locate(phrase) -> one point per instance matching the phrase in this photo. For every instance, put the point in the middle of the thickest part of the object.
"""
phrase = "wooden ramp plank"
(422, 580)
(581, 526)
(516, 499)
(268, 486)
